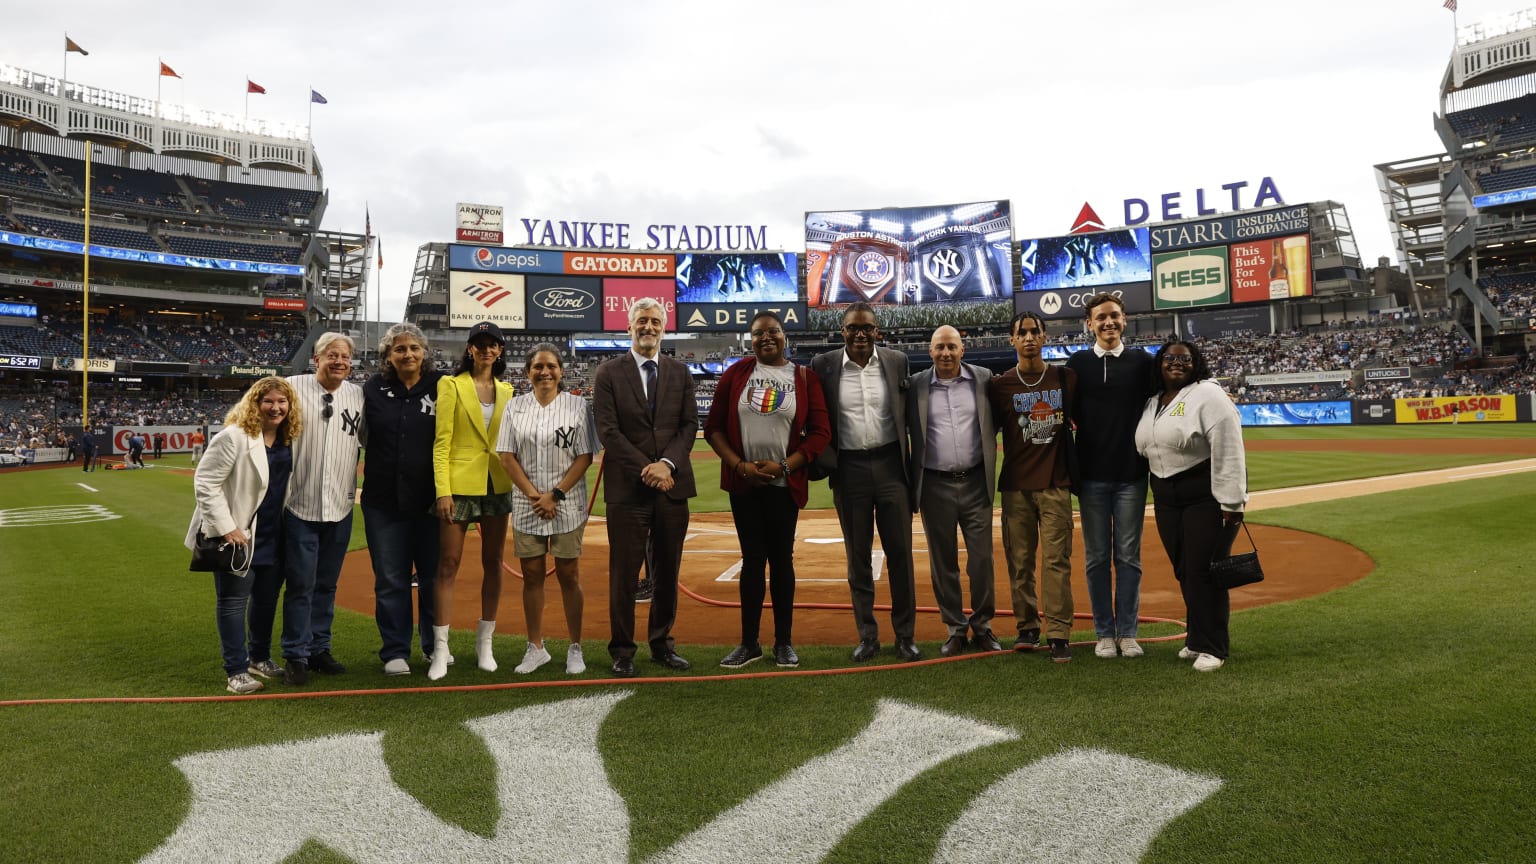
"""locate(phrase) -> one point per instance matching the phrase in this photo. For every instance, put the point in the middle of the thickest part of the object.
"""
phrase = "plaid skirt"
(473, 508)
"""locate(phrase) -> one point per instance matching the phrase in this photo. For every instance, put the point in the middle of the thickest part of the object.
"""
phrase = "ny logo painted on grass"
(557, 804)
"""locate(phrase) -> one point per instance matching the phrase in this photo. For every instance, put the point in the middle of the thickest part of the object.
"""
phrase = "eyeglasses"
(1178, 360)
(329, 398)
(861, 329)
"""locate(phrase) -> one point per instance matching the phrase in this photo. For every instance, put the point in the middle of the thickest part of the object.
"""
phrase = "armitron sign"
(479, 223)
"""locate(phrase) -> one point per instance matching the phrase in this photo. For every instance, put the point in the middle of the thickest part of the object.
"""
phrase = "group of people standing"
(445, 451)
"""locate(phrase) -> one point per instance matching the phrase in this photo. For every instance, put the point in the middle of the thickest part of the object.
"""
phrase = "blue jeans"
(1113, 511)
(313, 552)
(398, 542)
(256, 592)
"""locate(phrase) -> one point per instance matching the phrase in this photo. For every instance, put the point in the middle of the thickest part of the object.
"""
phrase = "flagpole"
(64, 84)
(85, 324)
(159, 81)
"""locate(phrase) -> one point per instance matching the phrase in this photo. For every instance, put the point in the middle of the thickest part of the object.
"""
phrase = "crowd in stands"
(266, 343)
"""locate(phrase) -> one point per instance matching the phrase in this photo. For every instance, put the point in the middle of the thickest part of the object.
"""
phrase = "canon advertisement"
(910, 255)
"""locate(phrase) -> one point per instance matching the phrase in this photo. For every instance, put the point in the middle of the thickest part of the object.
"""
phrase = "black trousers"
(766, 518)
(664, 522)
(1189, 523)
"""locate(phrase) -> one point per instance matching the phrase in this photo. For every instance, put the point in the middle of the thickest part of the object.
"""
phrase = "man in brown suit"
(647, 421)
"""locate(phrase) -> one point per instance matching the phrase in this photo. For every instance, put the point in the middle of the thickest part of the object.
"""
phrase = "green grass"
(1385, 721)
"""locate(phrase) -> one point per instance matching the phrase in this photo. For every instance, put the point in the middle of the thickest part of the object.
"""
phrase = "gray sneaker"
(266, 669)
(243, 683)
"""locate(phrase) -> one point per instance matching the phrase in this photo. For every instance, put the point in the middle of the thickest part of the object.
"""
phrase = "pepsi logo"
(484, 258)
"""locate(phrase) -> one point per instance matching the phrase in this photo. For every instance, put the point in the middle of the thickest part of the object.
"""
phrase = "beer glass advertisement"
(1085, 260)
(735, 277)
(620, 293)
(1277, 268)
(910, 255)
(1193, 277)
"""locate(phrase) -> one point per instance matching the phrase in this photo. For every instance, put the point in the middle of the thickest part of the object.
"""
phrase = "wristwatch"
(558, 493)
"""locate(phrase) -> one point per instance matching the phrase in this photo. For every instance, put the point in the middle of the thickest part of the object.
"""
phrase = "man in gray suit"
(866, 465)
(954, 465)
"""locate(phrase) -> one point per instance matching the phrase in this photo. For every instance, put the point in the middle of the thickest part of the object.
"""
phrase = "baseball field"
(1377, 705)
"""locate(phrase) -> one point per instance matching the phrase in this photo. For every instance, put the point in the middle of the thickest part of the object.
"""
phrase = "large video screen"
(738, 277)
(910, 255)
(1085, 260)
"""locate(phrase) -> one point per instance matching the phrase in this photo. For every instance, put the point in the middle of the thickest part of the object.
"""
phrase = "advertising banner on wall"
(1389, 373)
(1457, 409)
(495, 297)
(72, 364)
(1194, 277)
(1053, 305)
(479, 223)
(738, 277)
(1224, 323)
(1082, 260)
(488, 259)
(1295, 413)
(284, 303)
(736, 317)
(177, 438)
(1375, 412)
(1237, 228)
(571, 303)
(1275, 269)
(620, 294)
(910, 255)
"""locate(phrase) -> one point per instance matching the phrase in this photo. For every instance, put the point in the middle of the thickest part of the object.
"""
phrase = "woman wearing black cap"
(471, 485)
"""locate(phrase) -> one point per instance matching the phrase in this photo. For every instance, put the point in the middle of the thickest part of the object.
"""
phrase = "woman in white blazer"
(240, 485)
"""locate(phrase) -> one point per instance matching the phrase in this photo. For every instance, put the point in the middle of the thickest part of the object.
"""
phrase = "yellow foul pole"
(85, 322)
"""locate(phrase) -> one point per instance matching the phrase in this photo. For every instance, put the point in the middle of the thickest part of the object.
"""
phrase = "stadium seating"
(17, 170)
(101, 235)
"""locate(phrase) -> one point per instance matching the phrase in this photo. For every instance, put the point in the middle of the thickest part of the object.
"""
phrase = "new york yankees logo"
(565, 437)
(429, 405)
(351, 422)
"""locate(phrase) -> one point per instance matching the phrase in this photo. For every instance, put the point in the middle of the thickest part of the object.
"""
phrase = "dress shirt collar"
(874, 360)
(965, 375)
(1100, 352)
(640, 359)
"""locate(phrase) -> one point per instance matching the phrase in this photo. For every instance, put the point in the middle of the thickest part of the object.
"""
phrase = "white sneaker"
(575, 664)
(1129, 647)
(1186, 654)
(1105, 648)
(397, 666)
(243, 684)
(535, 657)
(1207, 663)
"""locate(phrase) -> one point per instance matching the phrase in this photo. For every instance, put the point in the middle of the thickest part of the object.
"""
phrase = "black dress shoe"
(624, 668)
(985, 641)
(296, 673)
(672, 660)
(325, 663)
(953, 646)
(906, 651)
(867, 650)
(645, 591)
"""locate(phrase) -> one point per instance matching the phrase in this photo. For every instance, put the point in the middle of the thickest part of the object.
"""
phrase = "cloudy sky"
(648, 112)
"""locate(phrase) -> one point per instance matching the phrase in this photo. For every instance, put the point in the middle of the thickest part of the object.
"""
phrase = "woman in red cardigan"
(768, 422)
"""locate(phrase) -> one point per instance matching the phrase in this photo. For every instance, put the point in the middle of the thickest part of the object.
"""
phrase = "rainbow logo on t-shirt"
(765, 400)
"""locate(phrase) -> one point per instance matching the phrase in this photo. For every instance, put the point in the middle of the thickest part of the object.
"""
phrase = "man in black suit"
(866, 464)
(647, 421)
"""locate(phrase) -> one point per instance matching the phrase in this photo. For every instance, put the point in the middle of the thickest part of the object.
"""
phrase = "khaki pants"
(1040, 519)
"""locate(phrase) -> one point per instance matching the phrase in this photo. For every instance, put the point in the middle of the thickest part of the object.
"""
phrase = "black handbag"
(216, 553)
(1235, 571)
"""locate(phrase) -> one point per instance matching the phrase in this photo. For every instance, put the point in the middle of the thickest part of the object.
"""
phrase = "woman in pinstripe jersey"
(546, 444)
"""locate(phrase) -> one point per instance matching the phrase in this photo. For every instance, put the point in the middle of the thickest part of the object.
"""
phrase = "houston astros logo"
(558, 806)
(872, 268)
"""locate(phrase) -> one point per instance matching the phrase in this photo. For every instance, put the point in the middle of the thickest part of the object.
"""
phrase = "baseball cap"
(487, 328)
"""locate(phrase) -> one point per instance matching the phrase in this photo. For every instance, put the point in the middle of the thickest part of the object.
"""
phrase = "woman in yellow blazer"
(471, 485)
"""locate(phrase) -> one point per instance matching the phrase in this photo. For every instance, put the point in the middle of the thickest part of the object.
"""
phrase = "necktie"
(650, 385)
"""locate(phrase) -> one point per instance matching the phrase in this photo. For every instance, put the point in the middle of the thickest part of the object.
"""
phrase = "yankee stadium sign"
(576, 234)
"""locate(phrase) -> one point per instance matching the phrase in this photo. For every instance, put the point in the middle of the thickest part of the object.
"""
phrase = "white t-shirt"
(765, 411)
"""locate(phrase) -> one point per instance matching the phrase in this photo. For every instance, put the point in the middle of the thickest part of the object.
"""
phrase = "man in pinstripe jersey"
(317, 518)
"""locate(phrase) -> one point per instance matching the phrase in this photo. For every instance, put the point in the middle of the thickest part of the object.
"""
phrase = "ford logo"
(564, 299)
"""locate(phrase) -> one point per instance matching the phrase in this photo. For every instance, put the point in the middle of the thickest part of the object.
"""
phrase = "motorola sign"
(1068, 303)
